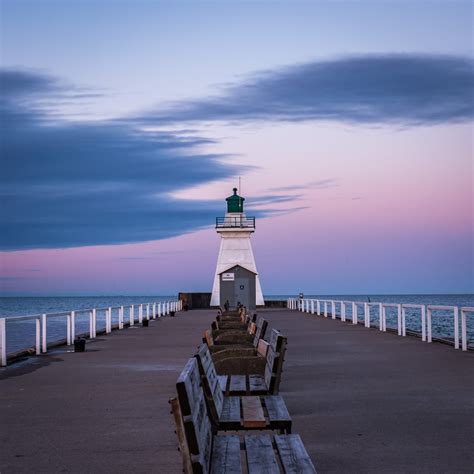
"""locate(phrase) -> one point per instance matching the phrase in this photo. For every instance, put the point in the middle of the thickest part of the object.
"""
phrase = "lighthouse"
(236, 279)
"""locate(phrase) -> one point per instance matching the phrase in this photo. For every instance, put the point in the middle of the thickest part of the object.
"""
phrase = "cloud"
(406, 89)
(319, 184)
(69, 184)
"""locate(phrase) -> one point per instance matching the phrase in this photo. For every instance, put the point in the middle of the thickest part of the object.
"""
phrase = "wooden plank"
(269, 379)
(293, 454)
(237, 384)
(183, 445)
(208, 338)
(260, 455)
(262, 348)
(230, 410)
(257, 384)
(226, 455)
(252, 413)
(205, 357)
(276, 408)
(223, 379)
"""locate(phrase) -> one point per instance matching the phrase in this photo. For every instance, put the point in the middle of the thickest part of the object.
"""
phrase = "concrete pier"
(362, 400)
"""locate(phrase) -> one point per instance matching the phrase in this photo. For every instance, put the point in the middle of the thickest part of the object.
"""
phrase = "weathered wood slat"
(262, 348)
(260, 455)
(252, 413)
(238, 384)
(257, 384)
(223, 379)
(276, 408)
(230, 410)
(226, 455)
(197, 425)
(293, 454)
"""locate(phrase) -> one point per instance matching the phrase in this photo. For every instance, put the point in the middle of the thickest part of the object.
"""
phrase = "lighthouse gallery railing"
(238, 222)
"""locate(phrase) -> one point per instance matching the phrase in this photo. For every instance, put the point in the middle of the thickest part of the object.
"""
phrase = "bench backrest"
(210, 383)
(260, 330)
(197, 426)
(274, 360)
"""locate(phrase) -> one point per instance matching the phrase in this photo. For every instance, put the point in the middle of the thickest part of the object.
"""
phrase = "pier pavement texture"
(362, 401)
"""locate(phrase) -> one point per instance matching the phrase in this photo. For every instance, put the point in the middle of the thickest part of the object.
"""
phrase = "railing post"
(159, 309)
(367, 315)
(333, 309)
(343, 311)
(131, 315)
(109, 320)
(456, 327)
(399, 319)
(354, 312)
(43, 333)
(140, 314)
(312, 306)
(384, 318)
(68, 330)
(325, 309)
(423, 323)
(428, 323)
(121, 311)
(73, 326)
(3, 342)
(154, 310)
(464, 329)
(91, 329)
(38, 335)
(404, 321)
(148, 311)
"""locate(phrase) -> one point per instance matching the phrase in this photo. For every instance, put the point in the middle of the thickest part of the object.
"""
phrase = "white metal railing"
(152, 311)
(426, 312)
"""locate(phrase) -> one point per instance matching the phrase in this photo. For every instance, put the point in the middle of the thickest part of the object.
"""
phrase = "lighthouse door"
(242, 291)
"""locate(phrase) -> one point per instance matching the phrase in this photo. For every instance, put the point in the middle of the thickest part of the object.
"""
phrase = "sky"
(126, 124)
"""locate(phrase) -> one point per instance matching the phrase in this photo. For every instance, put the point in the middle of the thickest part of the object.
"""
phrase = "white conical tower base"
(235, 249)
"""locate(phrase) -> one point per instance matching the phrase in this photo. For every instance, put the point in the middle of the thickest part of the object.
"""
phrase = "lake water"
(21, 334)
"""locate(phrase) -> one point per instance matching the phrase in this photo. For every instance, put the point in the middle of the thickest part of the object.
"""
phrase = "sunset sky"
(125, 125)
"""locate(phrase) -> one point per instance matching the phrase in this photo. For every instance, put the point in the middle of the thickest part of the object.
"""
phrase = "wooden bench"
(267, 382)
(247, 338)
(204, 451)
(236, 412)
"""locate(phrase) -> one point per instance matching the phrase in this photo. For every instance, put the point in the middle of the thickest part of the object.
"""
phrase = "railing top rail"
(440, 307)
(469, 309)
(76, 311)
(411, 305)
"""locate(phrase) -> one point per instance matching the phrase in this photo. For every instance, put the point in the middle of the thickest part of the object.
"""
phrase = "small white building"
(235, 250)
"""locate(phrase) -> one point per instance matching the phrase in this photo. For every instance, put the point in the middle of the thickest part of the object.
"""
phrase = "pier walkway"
(363, 401)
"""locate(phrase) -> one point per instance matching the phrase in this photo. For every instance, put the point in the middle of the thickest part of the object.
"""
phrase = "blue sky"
(126, 124)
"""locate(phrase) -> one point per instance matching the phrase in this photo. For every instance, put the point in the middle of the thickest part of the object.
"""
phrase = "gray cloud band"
(406, 89)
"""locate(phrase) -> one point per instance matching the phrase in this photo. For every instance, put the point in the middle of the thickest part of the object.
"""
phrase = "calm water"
(21, 334)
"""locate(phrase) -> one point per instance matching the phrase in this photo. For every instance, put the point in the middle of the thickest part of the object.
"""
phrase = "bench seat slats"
(257, 384)
(276, 408)
(226, 455)
(260, 455)
(230, 410)
(293, 454)
(252, 413)
(238, 384)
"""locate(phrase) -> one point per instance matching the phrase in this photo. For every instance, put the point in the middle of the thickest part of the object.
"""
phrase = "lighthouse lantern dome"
(235, 203)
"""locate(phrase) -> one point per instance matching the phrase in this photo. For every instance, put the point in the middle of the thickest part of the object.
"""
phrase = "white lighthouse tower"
(236, 279)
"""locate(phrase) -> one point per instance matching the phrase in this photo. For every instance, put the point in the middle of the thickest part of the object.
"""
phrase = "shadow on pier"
(362, 400)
